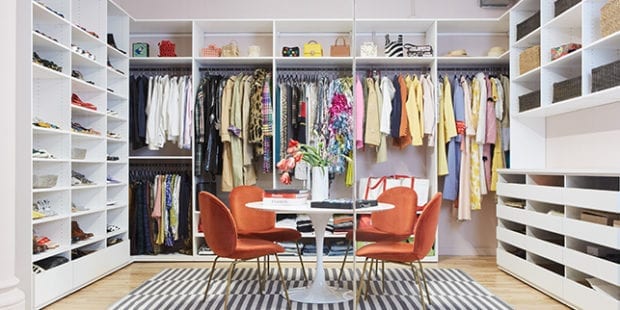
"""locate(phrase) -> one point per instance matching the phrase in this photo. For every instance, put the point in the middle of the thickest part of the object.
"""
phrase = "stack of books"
(285, 197)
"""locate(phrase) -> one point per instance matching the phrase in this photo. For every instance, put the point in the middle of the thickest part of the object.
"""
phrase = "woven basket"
(528, 25)
(606, 76)
(610, 17)
(564, 90)
(529, 101)
(563, 5)
(529, 59)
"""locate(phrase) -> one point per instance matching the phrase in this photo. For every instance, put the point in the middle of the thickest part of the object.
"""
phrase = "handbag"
(290, 51)
(394, 48)
(313, 49)
(340, 50)
(167, 49)
(412, 50)
(230, 50)
(372, 187)
(253, 51)
(210, 51)
(368, 49)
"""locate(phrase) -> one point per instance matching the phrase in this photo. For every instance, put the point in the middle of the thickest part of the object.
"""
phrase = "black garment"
(396, 110)
(138, 93)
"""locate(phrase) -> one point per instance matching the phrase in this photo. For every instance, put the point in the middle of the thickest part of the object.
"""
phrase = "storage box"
(530, 24)
(563, 50)
(562, 5)
(564, 90)
(610, 17)
(529, 101)
(529, 59)
(596, 217)
(606, 76)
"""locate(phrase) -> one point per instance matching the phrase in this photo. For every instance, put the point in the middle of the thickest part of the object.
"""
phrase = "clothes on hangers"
(161, 110)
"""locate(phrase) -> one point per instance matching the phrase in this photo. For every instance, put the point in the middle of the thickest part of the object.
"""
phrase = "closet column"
(10, 296)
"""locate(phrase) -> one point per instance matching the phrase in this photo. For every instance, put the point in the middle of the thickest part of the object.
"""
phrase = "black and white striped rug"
(183, 288)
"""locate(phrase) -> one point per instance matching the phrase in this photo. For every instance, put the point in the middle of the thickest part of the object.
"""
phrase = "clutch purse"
(313, 49)
(230, 50)
(340, 50)
(290, 51)
(210, 51)
(368, 49)
(412, 50)
(394, 48)
(167, 49)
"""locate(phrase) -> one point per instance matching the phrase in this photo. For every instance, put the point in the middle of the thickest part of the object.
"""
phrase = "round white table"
(318, 292)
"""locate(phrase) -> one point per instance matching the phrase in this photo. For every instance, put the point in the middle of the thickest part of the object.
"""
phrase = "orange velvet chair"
(220, 233)
(403, 252)
(259, 224)
(391, 225)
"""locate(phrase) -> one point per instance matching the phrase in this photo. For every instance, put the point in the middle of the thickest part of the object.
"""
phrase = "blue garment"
(451, 182)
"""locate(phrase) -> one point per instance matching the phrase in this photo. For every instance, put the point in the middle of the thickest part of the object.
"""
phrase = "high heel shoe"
(77, 234)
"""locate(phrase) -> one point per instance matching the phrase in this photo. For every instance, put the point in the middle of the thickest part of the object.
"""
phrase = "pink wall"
(194, 9)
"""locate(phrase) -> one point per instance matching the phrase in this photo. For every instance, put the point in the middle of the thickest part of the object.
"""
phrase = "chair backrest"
(426, 227)
(402, 218)
(218, 224)
(248, 219)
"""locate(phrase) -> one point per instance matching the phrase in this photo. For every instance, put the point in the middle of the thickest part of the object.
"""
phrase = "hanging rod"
(168, 69)
(240, 69)
(474, 68)
(303, 69)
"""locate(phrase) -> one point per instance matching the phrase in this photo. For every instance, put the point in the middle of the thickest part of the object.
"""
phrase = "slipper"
(112, 228)
(36, 269)
(75, 99)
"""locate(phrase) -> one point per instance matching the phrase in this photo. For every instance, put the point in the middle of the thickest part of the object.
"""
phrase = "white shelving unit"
(55, 38)
(546, 243)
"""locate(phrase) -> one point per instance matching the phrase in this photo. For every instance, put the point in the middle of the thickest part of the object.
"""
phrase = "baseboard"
(461, 251)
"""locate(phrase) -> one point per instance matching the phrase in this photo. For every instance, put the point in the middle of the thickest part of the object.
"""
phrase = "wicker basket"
(606, 76)
(529, 101)
(610, 17)
(529, 59)
(563, 5)
(564, 90)
(528, 25)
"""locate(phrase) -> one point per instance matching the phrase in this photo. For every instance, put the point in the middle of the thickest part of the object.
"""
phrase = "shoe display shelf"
(71, 109)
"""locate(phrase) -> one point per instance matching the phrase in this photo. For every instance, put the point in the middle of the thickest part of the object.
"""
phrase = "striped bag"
(394, 48)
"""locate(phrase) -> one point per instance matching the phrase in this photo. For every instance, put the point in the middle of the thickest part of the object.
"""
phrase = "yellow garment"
(498, 158)
(447, 126)
(415, 111)
(227, 173)
(372, 135)
(349, 177)
(475, 196)
(382, 148)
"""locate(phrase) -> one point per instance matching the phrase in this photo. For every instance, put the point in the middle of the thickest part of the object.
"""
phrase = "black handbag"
(290, 51)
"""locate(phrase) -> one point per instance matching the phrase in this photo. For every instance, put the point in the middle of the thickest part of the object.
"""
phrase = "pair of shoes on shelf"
(78, 75)
(36, 269)
(41, 153)
(112, 112)
(46, 63)
(50, 9)
(77, 127)
(113, 241)
(110, 180)
(77, 253)
(45, 35)
(75, 208)
(112, 67)
(83, 52)
(44, 207)
(113, 135)
(77, 234)
(46, 242)
(76, 100)
(112, 158)
(43, 124)
(112, 228)
(79, 179)
(112, 43)
(92, 33)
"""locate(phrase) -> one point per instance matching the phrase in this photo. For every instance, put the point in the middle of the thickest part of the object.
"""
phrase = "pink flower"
(293, 143)
(281, 165)
(285, 178)
(290, 163)
(298, 156)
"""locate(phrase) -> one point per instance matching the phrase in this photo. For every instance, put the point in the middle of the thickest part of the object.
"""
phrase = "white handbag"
(253, 51)
(368, 49)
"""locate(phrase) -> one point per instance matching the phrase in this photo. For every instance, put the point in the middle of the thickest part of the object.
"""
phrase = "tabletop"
(306, 209)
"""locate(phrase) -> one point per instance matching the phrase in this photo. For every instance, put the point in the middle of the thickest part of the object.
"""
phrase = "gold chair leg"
(361, 283)
(428, 296)
(210, 277)
(228, 281)
(420, 290)
(301, 261)
(344, 261)
(261, 284)
(382, 277)
(415, 272)
(288, 301)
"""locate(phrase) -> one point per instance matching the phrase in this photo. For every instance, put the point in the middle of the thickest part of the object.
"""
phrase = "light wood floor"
(108, 290)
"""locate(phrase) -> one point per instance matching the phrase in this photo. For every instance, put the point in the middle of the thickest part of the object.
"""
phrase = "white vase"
(320, 183)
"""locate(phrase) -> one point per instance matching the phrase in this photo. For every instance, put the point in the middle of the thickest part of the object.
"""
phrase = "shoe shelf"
(80, 86)
(81, 111)
(115, 96)
(50, 160)
(115, 74)
(112, 52)
(116, 233)
(116, 118)
(92, 240)
(41, 42)
(48, 219)
(41, 72)
(45, 16)
(50, 253)
(52, 189)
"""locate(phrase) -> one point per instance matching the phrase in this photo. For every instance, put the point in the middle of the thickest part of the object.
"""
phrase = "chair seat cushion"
(371, 234)
(274, 234)
(252, 248)
(389, 251)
